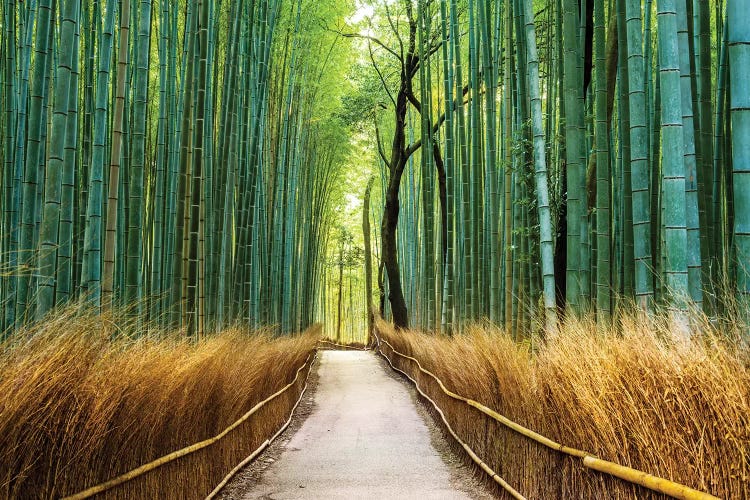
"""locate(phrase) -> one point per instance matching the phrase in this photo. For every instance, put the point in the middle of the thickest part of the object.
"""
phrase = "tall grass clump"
(82, 401)
(637, 395)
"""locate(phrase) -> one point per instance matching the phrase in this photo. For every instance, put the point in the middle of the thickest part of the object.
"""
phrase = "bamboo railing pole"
(646, 480)
(486, 468)
(628, 474)
(263, 446)
(143, 469)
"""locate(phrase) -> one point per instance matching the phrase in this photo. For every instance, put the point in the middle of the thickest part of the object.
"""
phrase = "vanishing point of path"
(364, 438)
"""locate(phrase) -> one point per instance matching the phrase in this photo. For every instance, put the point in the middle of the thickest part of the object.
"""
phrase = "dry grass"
(641, 398)
(78, 408)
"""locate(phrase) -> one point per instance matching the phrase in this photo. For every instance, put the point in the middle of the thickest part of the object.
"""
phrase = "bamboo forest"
(220, 218)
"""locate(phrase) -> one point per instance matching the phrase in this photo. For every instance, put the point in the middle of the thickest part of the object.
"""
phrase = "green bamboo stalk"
(475, 167)
(92, 258)
(110, 242)
(624, 125)
(491, 214)
(717, 209)
(672, 162)
(134, 264)
(575, 150)
(691, 171)
(508, 180)
(706, 127)
(640, 180)
(36, 125)
(57, 168)
(448, 316)
(601, 137)
(65, 275)
(11, 186)
(428, 287)
(540, 173)
(160, 186)
(738, 38)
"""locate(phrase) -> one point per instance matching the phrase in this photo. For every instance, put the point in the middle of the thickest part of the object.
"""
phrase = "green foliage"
(620, 188)
(222, 125)
(531, 149)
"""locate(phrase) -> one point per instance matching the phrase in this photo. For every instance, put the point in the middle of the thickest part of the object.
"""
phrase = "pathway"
(363, 439)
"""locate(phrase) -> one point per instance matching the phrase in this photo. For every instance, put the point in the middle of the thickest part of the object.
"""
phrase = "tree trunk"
(368, 260)
(399, 157)
(390, 252)
(341, 290)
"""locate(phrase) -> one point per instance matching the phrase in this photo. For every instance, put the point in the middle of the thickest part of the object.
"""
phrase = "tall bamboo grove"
(548, 158)
(171, 157)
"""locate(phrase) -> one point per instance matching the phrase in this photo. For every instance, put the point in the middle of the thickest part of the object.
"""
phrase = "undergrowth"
(638, 396)
(82, 402)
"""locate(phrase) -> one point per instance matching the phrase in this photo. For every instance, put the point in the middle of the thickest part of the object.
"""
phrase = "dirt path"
(361, 435)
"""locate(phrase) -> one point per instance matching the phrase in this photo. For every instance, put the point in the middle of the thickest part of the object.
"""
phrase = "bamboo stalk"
(634, 476)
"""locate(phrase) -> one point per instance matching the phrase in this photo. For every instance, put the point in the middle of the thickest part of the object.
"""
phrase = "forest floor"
(360, 433)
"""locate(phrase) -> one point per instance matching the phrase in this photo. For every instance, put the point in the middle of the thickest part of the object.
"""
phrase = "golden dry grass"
(641, 397)
(78, 408)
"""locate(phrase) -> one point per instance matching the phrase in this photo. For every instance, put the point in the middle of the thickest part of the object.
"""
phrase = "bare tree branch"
(372, 39)
(381, 152)
(395, 32)
(380, 75)
(411, 149)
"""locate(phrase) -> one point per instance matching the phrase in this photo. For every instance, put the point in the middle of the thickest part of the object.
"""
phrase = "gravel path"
(360, 434)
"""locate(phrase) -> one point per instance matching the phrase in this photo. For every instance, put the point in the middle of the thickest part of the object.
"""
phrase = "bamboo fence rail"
(483, 465)
(628, 474)
(263, 446)
(145, 468)
(344, 346)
